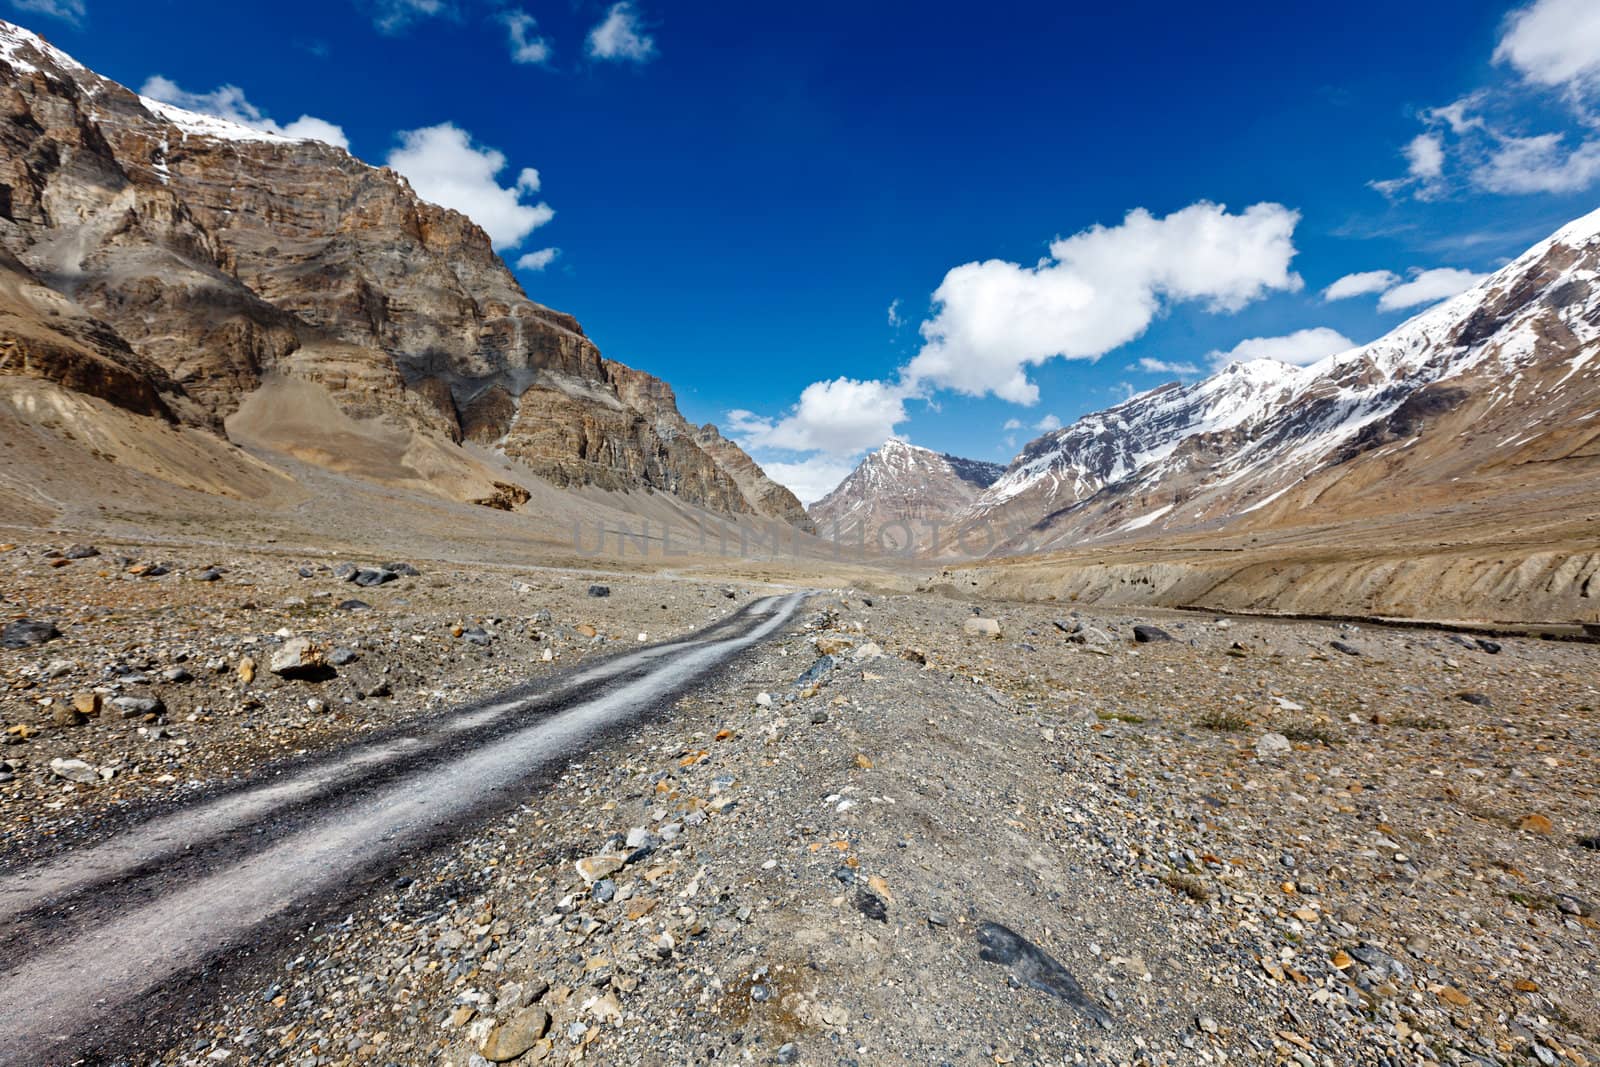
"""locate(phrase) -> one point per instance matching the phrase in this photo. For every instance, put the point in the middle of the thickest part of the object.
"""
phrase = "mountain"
(208, 274)
(902, 494)
(1498, 382)
(1452, 465)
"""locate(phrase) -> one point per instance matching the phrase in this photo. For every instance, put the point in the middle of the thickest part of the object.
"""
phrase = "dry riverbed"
(1241, 845)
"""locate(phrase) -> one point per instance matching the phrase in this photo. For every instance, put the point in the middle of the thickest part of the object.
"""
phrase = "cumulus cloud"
(1012, 424)
(840, 417)
(1361, 283)
(1161, 366)
(538, 260)
(1554, 43)
(1097, 290)
(810, 479)
(447, 168)
(526, 45)
(1429, 287)
(72, 11)
(1301, 348)
(894, 313)
(229, 102)
(621, 37)
(1048, 423)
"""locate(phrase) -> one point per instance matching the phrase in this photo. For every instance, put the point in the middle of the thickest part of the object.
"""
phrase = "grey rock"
(599, 590)
(74, 770)
(1145, 634)
(27, 633)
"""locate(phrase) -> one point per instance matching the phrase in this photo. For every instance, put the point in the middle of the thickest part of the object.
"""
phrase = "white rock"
(981, 627)
(74, 770)
(1269, 745)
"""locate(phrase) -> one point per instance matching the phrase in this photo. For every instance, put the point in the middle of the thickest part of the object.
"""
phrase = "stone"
(1536, 824)
(764, 700)
(298, 658)
(1034, 967)
(1494, 648)
(368, 578)
(88, 703)
(210, 574)
(342, 657)
(817, 671)
(27, 633)
(138, 707)
(593, 868)
(599, 590)
(65, 714)
(247, 670)
(516, 1035)
(80, 552)
(1480, 700)
(1206, 1024)
(1271, 745)
(1345, 647)
(1145, 634)
(981, 627)
(353, 605)
(869, 651)
(831, 645)
(74, 770)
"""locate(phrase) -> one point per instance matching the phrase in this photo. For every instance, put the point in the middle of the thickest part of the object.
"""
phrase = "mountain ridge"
(172, 263)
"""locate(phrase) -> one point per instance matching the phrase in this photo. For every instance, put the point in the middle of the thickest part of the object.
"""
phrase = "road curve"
(93, 936)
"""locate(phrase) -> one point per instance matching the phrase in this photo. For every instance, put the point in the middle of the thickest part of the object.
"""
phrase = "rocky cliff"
(172, 262)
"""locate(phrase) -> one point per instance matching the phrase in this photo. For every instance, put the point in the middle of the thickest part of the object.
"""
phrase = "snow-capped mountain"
(901, 491)
(1504, 373)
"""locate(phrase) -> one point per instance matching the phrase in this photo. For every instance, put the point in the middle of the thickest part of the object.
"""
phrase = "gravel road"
(167, 896)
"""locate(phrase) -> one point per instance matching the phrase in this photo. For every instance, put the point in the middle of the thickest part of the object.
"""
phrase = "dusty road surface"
(94, 935)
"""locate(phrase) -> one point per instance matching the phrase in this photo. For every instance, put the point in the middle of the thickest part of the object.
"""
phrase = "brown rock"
(1536, 824)
(514, 1037)
(88, 703)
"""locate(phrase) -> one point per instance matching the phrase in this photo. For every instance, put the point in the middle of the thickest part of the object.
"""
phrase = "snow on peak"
(199, 125)
(14, 40)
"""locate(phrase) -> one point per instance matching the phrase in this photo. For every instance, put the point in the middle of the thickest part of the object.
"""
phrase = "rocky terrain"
(177, 265)
(911, 830)
(902, 498)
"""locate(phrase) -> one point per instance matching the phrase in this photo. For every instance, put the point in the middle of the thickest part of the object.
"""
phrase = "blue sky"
(740, 196)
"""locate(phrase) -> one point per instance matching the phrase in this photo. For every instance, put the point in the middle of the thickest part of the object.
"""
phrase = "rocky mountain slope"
(903, 494)
(172, 264)
(1498, 383)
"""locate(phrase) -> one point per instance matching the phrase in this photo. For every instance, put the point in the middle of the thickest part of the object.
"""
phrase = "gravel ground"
(1058, 844)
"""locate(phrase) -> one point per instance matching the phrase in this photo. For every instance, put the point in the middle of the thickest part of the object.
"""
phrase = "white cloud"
(538, 260)
(1424, 178)
(1539, 164)
(620, 36)
(526, 46)
(840, 417)
(894, 313)
(1428, 287)
(1098, 289)
(1554, 43)
(1361, 283)
(1048, 423)
(1012, 424)
(72, 11)
(1161, 366)
(1301, 348)
(445, 167)
(392, 16)
(229, 102)
(810, 479)
(1425, 154)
